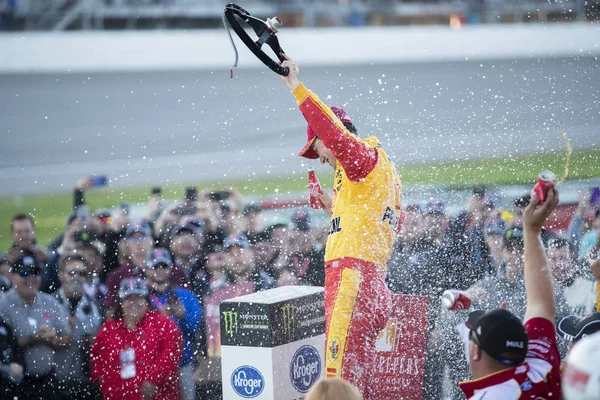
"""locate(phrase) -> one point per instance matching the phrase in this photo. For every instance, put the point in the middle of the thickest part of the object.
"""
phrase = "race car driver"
(366, 216)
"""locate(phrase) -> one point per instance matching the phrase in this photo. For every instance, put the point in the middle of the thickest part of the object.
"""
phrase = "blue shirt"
(189, 323)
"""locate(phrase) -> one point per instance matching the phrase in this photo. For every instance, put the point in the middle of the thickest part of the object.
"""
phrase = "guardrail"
(210, 49)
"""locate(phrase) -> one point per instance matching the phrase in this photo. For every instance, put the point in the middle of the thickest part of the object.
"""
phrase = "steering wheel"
(265, 30)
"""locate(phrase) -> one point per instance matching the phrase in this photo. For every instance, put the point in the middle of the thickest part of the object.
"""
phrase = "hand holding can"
(456, 300)
(542, 186)
(314, 190)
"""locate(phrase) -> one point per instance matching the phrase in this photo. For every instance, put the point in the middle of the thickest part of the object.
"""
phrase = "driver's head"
(314, 147)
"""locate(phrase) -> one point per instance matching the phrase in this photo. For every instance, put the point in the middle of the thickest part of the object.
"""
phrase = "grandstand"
(190, 14)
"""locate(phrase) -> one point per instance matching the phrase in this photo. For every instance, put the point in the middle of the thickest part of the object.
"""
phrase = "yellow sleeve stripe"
(301, 93)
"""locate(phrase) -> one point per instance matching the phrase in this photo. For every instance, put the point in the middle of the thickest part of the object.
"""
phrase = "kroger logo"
(305, 368)
(247, 381)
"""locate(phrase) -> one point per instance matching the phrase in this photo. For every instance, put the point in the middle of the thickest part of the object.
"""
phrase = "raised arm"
(357, 158)
(538, 277)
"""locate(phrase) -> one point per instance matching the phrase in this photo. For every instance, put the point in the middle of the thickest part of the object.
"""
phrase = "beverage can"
(456, 300)
(314, 189)
(541, 188)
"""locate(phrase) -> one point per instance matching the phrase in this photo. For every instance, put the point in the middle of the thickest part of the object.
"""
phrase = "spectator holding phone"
(181, 305)
(509, 360)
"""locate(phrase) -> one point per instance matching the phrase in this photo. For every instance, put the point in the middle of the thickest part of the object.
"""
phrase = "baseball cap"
(500, 334)
(158, 255)
(23, 262)
(307, 151)
(252, 207)
(514, 237)
(414, 207)
(435, 206)
(496, 226)
(236, 240)
(131, 286)
(187, 227)
(302, 220)
(522, 201)
(138, 227)
(574, 328)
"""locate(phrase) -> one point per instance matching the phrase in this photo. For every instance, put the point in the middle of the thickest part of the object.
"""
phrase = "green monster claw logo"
(231, 322)
(289, 313)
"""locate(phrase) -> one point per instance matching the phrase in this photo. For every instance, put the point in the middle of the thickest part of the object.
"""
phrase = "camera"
(191, 194)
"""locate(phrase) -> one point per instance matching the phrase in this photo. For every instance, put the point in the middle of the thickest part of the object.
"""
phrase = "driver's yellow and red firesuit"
(367, 217)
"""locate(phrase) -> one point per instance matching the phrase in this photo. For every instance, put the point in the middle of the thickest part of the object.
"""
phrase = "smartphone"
(99, 180)
(191, 194)
(595, 196)
(156, 190)
(83, 213)
(125, 207)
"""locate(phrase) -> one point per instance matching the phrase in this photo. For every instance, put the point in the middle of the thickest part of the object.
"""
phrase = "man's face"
(22, 232)
(217, 262)
(280, 237)
(135, 306)
(253, 221)
(27, 282)
(559, 259)
(436, 224)
(241, 260)
(517, 216)
(185, 245)
(94, 260)
(413, 225)
(160, 273)
(325, 155)
(72, 277)
(139, 245)
(513, 257)
(495, 244)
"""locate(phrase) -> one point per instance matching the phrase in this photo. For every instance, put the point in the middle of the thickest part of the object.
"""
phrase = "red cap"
(307, 151)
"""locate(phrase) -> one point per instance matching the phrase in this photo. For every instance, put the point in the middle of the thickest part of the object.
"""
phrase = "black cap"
(574, 328)
(500, 334)
(159, 255)
(138, 227)
(25, 262)
(522, 201)
(252, 207)
(302, 220)
(514, 237)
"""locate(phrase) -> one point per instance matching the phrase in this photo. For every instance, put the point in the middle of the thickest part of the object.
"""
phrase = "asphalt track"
(155, 128)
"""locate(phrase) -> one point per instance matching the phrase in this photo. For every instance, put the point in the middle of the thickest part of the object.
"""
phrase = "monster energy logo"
(231, 322)
(289, 313)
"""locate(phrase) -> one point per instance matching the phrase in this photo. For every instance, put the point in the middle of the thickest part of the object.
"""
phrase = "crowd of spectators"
(122, 308)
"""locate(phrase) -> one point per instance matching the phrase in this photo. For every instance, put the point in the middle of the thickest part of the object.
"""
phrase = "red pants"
(357, 308)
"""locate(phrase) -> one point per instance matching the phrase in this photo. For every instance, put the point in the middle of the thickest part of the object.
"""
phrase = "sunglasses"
(160, 265)
(79, 273)
(29, 272)
(473, 339)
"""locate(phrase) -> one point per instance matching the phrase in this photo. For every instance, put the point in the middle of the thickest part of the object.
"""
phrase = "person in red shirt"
(508, 359)
(136, 355)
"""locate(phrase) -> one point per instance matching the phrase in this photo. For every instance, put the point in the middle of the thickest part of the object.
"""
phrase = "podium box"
(273, 343)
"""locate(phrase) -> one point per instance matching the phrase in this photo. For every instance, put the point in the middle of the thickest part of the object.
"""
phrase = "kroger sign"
(305, 368)
(247, 381)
